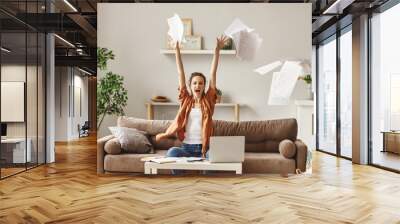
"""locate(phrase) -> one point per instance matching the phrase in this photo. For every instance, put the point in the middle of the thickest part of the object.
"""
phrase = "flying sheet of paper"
(283, 83)
(246, 44)
(268, 68)
(236, 26)
(245, 39)
(176, 28)
(274, 96)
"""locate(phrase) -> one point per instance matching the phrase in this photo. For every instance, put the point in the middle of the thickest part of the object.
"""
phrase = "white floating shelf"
(167, 51)
(177, 104)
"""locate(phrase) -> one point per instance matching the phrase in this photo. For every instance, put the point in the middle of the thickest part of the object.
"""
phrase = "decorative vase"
(310, 94)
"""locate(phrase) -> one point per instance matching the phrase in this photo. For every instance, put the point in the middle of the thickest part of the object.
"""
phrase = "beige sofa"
(271, 146)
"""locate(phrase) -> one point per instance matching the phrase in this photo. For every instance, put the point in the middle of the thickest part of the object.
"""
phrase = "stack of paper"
(176, 29)
(245, 39)
(165, 160)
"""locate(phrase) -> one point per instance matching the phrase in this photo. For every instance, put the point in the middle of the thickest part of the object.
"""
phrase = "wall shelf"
(168, 51)
(150, 108)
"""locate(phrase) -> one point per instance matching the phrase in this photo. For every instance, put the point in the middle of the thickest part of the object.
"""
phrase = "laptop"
(226, 149)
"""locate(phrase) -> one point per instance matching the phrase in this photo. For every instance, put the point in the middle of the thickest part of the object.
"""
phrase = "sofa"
(271, 146)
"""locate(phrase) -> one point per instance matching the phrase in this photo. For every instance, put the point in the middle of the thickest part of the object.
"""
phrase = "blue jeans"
(186, 150)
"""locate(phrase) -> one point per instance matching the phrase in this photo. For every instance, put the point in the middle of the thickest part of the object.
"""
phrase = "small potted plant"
(219, 95)
(308, 80)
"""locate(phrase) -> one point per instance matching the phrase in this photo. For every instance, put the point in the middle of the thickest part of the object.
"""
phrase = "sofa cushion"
(151, 127)
(113, 146)
(287, 148)
(132, 140)
(261, 136)
(253, 163)
(128, 162)
(267, 163)
(261, 131)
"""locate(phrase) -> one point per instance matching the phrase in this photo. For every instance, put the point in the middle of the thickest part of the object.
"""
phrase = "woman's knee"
(174, 152)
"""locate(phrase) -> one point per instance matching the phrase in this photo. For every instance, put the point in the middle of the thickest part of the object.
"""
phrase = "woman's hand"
(221, 42)
(159, 137)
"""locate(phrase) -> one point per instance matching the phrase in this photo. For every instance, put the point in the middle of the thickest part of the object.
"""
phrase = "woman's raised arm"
(179, 66)
(214, 66)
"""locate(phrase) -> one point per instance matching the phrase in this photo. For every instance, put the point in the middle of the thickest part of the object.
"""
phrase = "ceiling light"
(70, 5)
(5, 50)
(86, 72)
(64, 40)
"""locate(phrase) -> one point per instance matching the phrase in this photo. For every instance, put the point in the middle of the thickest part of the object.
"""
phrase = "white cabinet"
(306, 122)
(16, 148)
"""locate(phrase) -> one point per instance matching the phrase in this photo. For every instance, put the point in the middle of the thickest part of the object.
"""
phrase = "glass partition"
(346, 93)
(14, 153)
(326, 137)
(22, 77)
(385, 89)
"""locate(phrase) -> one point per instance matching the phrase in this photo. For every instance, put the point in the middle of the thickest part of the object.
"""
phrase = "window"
(385, 88)
(346, 93)
(327, 96)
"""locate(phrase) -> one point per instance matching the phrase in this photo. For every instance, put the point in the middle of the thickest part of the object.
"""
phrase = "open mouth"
(197, 91)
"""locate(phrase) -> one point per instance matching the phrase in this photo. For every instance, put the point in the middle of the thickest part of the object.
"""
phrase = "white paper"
(246, 44)
(236, 26)
(176, 29)
(292, 67)
(282, 86)
(245, 39)
(268, 68)
(274, 95)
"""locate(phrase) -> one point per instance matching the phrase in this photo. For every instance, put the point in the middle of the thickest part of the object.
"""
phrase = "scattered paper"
(283, 83)
(268, 68)
(246, 41)
(236, 26)
(246, 44)
(176, 29)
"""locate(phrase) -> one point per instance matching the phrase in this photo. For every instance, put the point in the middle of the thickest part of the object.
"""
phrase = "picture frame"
(193, 42)
(187, 26)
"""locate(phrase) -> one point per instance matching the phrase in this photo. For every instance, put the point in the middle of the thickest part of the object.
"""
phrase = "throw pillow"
(112, 146)
(132, 140)
(287, 148)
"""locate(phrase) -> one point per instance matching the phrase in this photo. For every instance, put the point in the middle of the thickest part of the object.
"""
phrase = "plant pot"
(219, 98)
(310, 94)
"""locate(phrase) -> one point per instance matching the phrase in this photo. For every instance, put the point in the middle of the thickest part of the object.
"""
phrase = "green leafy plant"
(112, 97)
(103, 55)
(307, 79)
(219, 92)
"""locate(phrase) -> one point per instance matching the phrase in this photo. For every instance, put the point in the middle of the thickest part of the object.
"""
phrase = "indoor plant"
(219, 95)
(112, 97)
(308, 80)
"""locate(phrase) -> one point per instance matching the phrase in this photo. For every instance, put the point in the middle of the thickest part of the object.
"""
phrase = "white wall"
(66, 119)
(137, 32)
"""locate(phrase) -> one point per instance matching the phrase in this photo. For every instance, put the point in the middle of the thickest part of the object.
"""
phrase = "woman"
(193, 123)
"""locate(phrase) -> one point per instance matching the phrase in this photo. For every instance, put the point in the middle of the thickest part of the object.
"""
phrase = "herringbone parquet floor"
(69, 191)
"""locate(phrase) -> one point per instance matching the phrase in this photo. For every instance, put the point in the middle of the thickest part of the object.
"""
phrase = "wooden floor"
(69, 191)
(387, 159)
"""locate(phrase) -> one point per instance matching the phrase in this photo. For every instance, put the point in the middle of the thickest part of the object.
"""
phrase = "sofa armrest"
(100, 152)
(301, 155)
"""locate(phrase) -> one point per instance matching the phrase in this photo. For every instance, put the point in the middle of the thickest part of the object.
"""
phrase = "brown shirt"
(187, 102)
